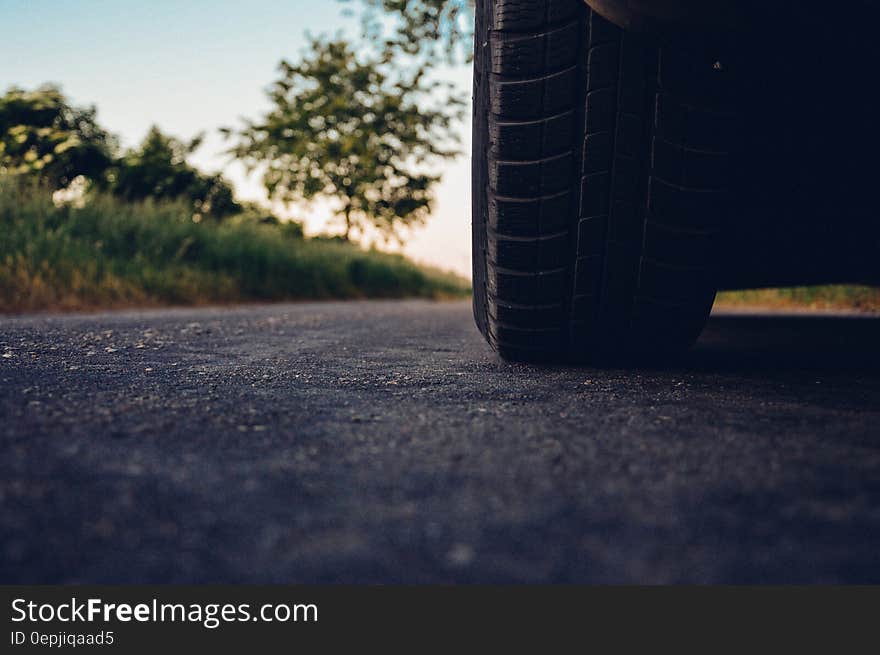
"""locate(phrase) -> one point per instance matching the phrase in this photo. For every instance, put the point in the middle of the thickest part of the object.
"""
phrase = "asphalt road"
(384, 442)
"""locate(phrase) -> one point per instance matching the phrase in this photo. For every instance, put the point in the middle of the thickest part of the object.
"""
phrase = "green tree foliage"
(42, 135)
(158, 170)
(356, 131)
(431, 28)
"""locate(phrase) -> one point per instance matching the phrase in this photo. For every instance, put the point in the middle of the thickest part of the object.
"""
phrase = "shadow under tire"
(600, 164)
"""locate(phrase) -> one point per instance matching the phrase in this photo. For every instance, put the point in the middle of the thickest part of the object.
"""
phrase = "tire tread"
(601, 185)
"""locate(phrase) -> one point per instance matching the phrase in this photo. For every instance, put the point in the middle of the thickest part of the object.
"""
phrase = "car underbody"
(804, 211)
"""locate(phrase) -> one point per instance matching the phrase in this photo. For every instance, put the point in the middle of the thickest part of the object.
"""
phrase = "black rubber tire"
(599, 184)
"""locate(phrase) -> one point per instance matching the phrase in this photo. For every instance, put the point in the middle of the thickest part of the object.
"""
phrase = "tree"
(158, 169)
(422, 27)
(355, 131)
(43, 135)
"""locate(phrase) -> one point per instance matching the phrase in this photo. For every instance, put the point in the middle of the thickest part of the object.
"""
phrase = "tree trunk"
(347, 235)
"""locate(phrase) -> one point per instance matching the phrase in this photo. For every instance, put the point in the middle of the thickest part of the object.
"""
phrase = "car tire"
(600, 174)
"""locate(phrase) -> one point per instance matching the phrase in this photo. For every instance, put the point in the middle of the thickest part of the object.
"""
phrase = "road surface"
(384, 442)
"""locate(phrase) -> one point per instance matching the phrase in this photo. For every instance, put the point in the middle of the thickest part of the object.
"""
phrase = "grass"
(111, 254)
(860, 298)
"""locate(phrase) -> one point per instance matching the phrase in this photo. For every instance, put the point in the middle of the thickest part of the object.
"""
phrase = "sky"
(193, 66)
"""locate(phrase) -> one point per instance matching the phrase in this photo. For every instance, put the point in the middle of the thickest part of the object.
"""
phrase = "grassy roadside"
(851, 297)
(112, 254)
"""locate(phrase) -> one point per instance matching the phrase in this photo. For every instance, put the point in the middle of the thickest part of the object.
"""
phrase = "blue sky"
(196, 65)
